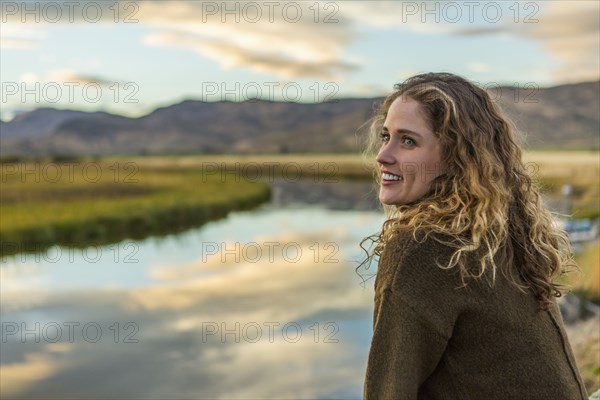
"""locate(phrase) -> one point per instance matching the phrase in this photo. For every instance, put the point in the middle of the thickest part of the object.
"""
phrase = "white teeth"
(390, 177)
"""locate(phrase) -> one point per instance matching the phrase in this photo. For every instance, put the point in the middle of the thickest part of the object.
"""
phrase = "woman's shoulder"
(415, 271)
(418, 262)
(419, 246)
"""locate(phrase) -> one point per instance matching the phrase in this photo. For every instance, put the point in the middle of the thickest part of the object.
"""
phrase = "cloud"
(481, 31)
(17, 43)
(397, 15)
(567, 30)
(371, 90)
(274, 45)
(173, 358)
(570, 31)
(176, 357)
(271, 266)
(268, 60)
(19, 37)
(64, 76)
(274, 42)
(285, 39)
(72, 76)
(34, 367)
(479, 67)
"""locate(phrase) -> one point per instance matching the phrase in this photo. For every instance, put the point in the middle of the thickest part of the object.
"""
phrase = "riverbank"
(85, 202)
(551, 171)
(102, 200)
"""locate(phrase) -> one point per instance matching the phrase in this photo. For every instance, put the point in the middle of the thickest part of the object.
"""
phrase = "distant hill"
(564, 117)
(39, 123)
(561, 117)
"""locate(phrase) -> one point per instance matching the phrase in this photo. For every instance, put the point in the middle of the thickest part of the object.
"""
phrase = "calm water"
(262, 304)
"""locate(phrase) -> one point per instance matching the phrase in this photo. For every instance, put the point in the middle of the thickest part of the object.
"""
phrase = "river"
(261, 304)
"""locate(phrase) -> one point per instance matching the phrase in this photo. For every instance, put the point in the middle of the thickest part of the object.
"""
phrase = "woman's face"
(409, 151)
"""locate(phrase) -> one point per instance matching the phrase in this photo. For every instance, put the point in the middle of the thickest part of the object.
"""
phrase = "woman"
(464, 295)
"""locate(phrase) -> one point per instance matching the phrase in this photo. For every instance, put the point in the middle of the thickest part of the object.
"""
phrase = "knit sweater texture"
(436, 339)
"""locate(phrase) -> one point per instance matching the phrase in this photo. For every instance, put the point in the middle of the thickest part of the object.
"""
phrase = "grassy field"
(587, 285)
(103, 199)
(552, 170)
(96, 202)
(581, 169)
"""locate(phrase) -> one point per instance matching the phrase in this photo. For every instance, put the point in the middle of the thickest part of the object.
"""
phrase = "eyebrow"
(402, 130)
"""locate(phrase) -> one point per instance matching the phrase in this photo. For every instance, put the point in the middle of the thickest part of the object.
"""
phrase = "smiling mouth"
(391, 177)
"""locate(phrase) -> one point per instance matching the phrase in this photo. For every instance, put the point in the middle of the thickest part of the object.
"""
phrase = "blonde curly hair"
(485, 200)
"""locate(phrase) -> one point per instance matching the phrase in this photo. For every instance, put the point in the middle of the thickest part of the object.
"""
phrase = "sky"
(131, 57)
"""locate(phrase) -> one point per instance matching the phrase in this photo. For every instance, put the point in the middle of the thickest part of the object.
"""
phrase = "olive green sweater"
(432, 341)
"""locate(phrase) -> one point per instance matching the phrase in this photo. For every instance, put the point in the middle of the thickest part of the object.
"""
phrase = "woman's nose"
(384, 156)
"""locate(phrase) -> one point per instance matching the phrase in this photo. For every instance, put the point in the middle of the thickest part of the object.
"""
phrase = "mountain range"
(561, 117)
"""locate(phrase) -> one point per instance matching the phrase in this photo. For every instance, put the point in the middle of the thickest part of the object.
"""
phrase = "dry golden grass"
(565, 164)
(589, 280)
(584, 338)
(579, 165)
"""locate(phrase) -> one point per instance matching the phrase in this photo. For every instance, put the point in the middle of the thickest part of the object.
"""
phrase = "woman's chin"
(389, 202)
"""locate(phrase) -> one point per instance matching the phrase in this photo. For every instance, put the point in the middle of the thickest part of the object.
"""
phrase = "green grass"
(141, 196)
(79, 210)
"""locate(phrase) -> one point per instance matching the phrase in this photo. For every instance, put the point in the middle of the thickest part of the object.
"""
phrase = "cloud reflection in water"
(212, 326)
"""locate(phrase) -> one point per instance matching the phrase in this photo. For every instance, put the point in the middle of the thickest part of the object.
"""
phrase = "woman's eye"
(412, 142)
(384, 136)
